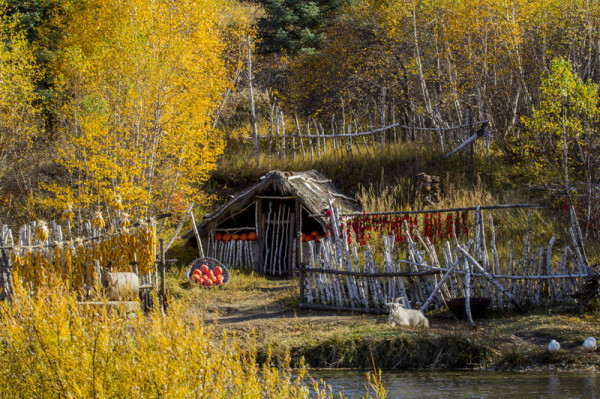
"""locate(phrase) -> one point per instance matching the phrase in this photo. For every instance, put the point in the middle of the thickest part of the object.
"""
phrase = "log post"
(162, 290)
(301, 277)
(283, 144)
(383, 93)
(489, 277)
(195, 228)
(468, 294)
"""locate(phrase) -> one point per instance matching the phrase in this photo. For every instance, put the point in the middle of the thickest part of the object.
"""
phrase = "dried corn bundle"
(98, 221)
(68, 213)
(146, 250)
(73, 261)
(41, 231)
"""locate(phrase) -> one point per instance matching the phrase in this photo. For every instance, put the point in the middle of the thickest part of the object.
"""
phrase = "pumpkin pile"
(251, 236)
(315, 235)
(208, 277)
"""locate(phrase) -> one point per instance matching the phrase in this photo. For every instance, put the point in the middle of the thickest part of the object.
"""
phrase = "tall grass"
(348, 172)
(51, 347)
(382, 196)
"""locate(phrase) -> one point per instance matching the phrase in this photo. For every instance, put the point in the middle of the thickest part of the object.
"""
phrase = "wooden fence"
(39, 252)
(424, 276)
(353, 137)
(239, 254)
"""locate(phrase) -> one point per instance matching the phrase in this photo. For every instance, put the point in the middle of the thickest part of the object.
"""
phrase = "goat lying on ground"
(406, 317)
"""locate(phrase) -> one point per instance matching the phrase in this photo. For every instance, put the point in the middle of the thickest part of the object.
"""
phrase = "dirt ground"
(269, 310)
(273, 309)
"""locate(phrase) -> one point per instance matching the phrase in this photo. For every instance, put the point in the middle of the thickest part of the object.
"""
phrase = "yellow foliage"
(559, 141)
(53, 347)
(19, 105)
(142, 80)
(429, 53)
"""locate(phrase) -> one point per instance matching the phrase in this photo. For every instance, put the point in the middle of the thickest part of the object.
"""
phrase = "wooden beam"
(360, 274)
(489, 277)
(477, 134)
(187, 213)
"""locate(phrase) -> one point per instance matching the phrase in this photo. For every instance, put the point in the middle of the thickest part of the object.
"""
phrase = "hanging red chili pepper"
(449, 221)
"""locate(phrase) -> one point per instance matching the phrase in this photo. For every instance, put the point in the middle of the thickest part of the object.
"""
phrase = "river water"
(467, 384)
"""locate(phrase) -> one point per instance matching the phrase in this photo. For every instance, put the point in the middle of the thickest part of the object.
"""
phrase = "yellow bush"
(50, 346)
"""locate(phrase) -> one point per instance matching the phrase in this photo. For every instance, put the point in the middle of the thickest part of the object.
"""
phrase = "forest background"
(143, 105)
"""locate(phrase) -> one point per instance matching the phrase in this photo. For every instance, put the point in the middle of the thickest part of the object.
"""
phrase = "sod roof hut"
(267, 226)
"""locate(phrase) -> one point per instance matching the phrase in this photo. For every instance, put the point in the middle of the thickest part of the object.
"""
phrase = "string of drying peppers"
(433, 226)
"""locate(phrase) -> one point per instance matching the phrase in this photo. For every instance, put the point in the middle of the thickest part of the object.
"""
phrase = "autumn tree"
(448, 55)
(42, 23)
(19, 111)
(140, 82)
(560, 142)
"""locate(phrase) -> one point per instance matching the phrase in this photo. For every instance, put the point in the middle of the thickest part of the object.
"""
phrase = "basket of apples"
(207, 272)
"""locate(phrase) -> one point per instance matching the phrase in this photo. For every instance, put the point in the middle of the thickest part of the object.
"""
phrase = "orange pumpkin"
(208, 283)
(235, 237)
(309, 237)
(226, 237)
(314, 233)
(252, 236)
(243, 237)
(204, 269)
(218, 236)
(218, 270)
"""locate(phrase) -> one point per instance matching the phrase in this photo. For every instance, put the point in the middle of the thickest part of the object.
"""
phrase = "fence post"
(283, 145)
(162, 291)
(383, 92)
(310, 141)
(5, 269)
(301, 277)
(470, 132)
(439, 126)
(468, 293)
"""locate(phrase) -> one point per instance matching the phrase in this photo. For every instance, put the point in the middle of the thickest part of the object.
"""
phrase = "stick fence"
(348, 136)
(425, 276)
(39, 251)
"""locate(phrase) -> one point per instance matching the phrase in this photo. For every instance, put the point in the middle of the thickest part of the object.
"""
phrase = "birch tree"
(142, 81)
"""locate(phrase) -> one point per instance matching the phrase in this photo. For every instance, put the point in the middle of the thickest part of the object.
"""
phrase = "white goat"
(406, 317)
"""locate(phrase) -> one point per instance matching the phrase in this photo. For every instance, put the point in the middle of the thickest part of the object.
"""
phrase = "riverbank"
(253, 305)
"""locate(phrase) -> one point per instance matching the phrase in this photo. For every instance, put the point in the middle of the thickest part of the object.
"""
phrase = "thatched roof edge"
(311, 188)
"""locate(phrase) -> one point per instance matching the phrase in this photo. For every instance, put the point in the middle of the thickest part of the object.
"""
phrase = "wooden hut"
(267, 226)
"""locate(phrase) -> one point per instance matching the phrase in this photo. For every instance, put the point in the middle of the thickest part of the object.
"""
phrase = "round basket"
(211, 264)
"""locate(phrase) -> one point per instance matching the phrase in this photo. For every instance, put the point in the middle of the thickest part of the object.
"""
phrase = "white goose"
(590, 344)
(553, 346)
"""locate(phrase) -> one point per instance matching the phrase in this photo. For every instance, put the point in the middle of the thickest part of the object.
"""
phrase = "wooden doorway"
(278, 232)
